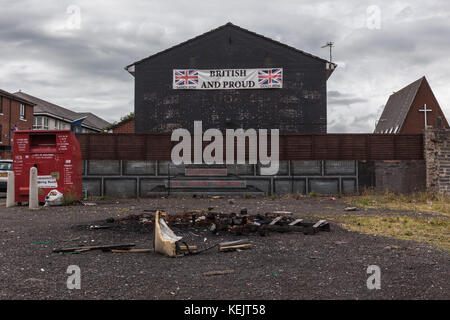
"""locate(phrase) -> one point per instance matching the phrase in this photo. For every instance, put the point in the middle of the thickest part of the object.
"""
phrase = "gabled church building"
(231, 78)
(410, 109)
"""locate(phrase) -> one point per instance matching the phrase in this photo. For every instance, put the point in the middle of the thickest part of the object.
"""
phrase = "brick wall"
(437, 155)
(124, 127)
(299, 107)
(10, 117)
(400, 176)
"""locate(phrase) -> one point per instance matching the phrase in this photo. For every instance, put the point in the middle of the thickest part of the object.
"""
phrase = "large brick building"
(298, 105)
(16, 113)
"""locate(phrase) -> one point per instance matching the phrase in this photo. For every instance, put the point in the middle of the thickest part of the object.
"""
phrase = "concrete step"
(206, 183)
(206, 172)
(208, 187)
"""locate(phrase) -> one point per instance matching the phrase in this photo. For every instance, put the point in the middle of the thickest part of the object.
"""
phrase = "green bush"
(68, 199)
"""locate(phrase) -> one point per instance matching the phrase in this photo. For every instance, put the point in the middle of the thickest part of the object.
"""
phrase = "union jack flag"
(270, 76)
(186, 77)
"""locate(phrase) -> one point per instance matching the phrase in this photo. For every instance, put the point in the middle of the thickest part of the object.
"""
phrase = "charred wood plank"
(322, 225)
(100, 247)
(293, 223)
(233, 243)
(275, 220)
(131, 250)
(284, 228)
(231, 248)
(218, 272)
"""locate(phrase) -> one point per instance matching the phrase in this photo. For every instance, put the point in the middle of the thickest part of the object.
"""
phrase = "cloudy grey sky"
(380, 46)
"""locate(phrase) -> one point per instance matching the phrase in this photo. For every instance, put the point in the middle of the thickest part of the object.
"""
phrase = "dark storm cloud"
(83, 68)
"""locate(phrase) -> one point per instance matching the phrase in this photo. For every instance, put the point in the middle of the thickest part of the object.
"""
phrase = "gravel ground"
(328, 265)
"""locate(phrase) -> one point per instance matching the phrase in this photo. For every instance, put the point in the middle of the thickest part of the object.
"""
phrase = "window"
(1, 133)
(59, 124)
(1, 104)
(40, 123)
(22, 111)
(6, 166)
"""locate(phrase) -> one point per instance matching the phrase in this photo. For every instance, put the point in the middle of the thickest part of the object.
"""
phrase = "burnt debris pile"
(214, 222)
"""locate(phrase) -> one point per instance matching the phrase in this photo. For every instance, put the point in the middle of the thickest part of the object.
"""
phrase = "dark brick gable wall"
(299, 107)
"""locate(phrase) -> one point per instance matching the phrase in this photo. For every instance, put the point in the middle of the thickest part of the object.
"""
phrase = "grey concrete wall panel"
(283, 186)
(175, 170)
(324, 186)
(103, 168)
(349, 186)
(139, 167)
(308, 176)
(120, 187)
(282, 171)
(307, 168)
(241, 169)
(340, 168)
(288, 186)
(147, 186)
(260, 184)
(93, 187)
(299, 186)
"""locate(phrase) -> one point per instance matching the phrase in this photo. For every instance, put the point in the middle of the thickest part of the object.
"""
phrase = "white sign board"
(227, 79)
(47, 182)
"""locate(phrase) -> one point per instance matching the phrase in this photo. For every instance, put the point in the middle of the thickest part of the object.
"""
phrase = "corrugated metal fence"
(123, 146)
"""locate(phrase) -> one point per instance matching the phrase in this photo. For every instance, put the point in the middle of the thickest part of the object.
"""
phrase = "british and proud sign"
(227, 79)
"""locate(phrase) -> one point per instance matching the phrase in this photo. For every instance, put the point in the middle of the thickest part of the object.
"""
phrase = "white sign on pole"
(227, 79)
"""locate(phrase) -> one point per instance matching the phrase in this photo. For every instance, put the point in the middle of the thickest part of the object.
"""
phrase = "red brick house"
(15, 114)
(404, 112)
(126, 125)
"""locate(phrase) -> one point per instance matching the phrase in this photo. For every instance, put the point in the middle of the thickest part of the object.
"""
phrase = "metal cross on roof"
(425, 110)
